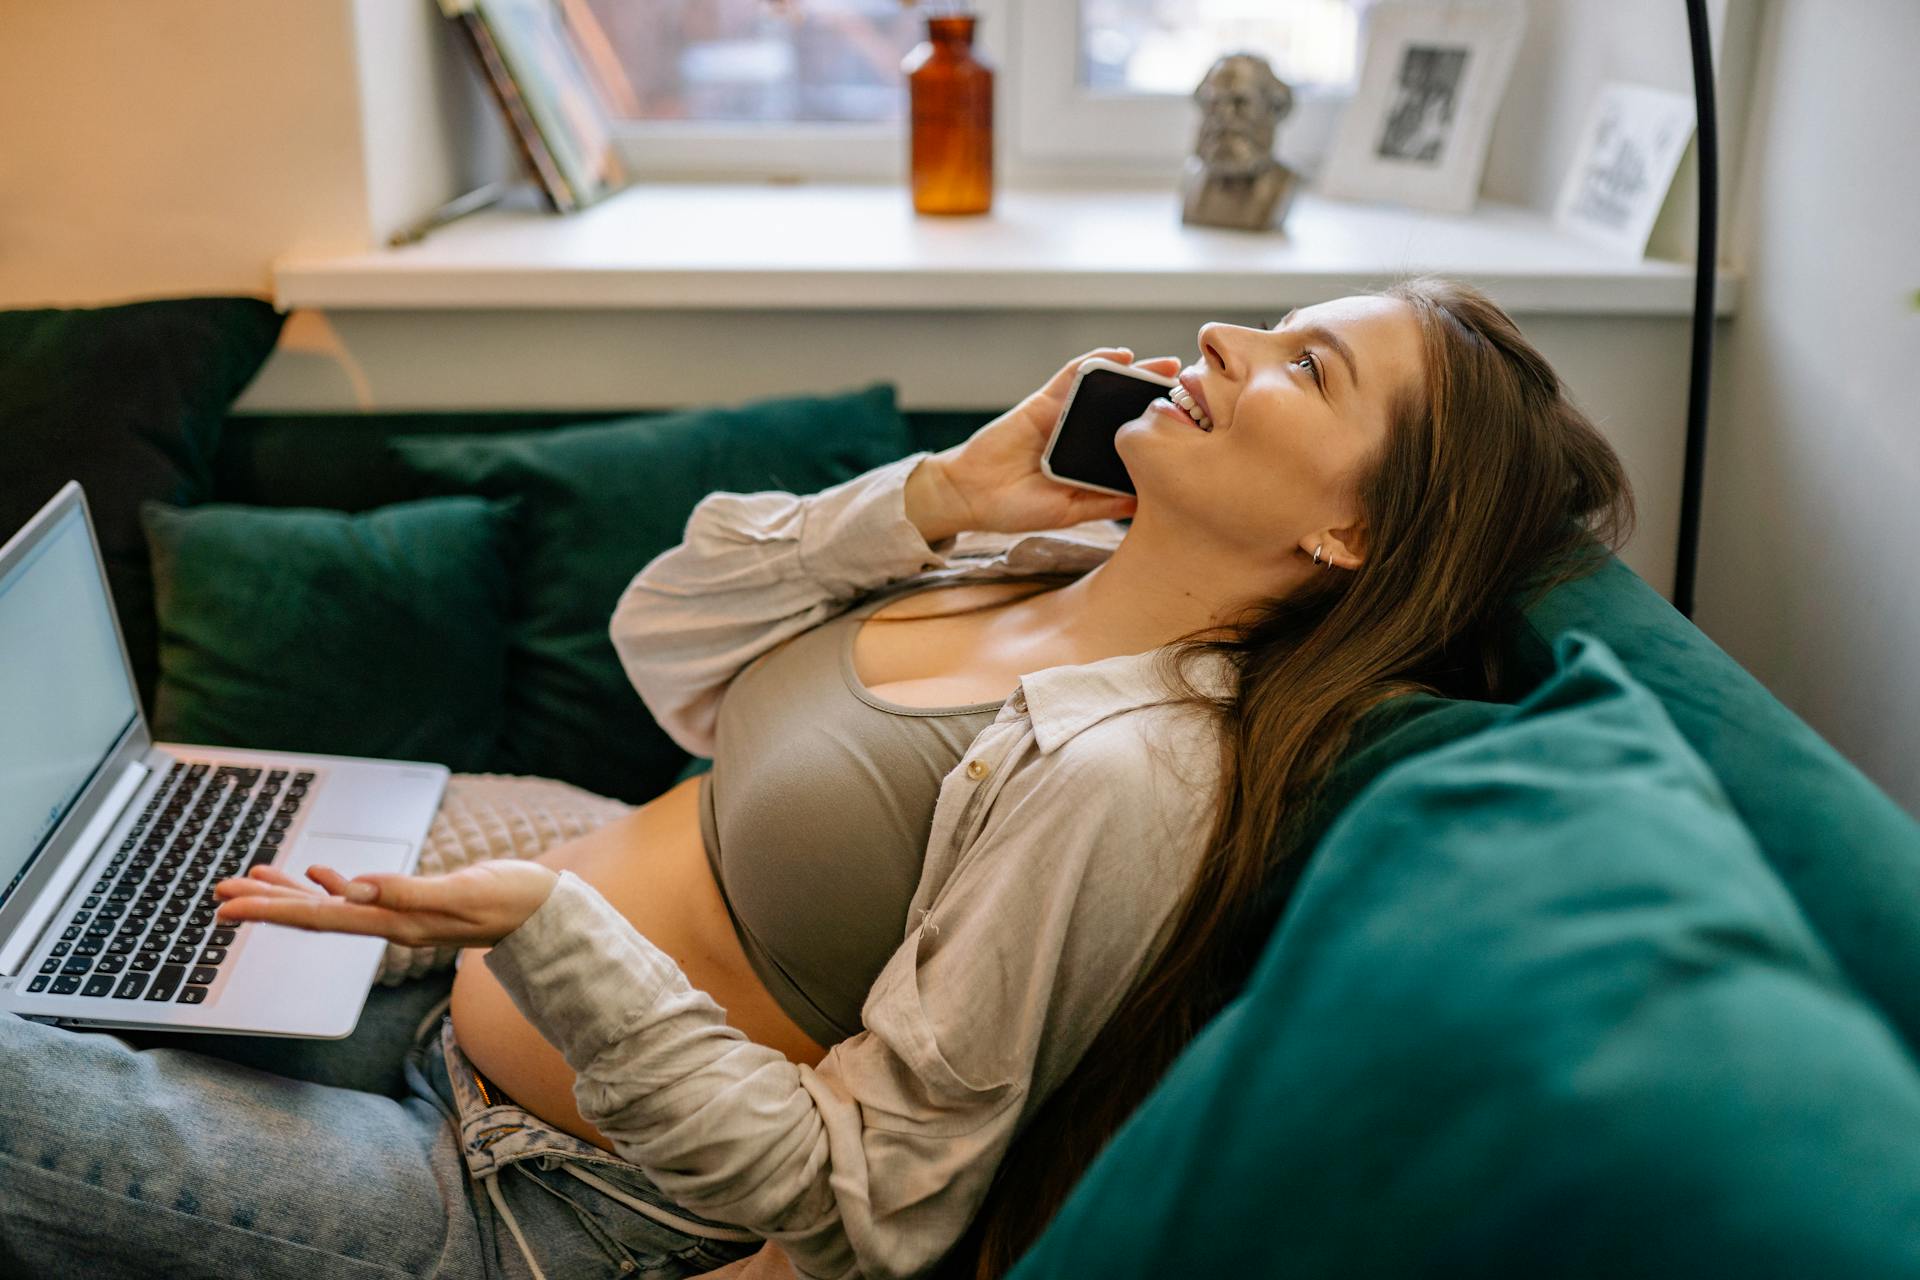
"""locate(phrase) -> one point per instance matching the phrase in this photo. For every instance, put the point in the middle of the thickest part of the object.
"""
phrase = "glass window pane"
(753, 60)
(1166, 46)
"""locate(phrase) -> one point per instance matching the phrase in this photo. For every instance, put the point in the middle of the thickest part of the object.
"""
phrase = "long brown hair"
(1490, 488)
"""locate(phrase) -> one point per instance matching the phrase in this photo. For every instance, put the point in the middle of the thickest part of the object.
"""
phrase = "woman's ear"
(1344, 548)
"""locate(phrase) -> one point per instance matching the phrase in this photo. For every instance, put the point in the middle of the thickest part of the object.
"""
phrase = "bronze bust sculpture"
(1233, 179)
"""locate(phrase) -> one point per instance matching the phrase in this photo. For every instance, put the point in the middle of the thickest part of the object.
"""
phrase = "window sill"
(861, 247)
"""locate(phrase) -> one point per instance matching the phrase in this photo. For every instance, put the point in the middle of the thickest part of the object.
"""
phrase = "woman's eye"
(1313, 365)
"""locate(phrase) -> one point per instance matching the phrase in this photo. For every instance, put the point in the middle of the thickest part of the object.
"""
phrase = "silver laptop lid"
(70, 718)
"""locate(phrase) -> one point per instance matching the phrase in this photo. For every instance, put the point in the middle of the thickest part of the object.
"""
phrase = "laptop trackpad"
(349, 855)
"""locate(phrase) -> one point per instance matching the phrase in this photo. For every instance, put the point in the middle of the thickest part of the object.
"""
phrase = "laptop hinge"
(79, 854)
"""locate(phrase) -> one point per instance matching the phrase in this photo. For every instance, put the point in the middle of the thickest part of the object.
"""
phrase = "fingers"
(392, 889)
(269, 895)
(308, 911)
(1064, 378)
(272, 884)
(360, 889)
(1112, 508)
(356, 890)
(403, 892)
(1159, 364)
(274, 875)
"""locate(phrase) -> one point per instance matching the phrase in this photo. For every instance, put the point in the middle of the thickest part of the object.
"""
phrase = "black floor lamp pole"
(1706, 255)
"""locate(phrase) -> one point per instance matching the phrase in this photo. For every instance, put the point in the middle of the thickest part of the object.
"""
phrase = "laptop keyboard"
(145, 930)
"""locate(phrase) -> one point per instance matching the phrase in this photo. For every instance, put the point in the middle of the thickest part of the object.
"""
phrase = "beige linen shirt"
(1060, 844)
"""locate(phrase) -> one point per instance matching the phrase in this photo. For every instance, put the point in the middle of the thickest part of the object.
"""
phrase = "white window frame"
(1048, 129)
(1060, 126)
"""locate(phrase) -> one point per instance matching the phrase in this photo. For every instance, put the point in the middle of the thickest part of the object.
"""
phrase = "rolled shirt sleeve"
(755, 569)
(752, 570)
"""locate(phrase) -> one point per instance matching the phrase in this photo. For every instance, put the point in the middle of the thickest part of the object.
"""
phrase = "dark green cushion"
(381, 634)
(1540, 1007)
(1850, 854)
(127, 400)
(342, 460)
(600, 502)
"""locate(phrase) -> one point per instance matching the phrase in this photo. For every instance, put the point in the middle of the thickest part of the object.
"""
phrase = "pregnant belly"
(652, 868)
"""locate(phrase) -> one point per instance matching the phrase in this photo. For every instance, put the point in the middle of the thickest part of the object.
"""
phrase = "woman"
(1110, 734)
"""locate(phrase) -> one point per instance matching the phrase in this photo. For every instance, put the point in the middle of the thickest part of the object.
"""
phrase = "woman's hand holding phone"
(992, 481)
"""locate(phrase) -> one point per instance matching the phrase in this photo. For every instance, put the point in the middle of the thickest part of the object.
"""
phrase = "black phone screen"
(1104, 402)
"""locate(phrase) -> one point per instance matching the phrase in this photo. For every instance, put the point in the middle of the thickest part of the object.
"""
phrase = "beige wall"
(166, 147)
(1811, 517)
(170, 148)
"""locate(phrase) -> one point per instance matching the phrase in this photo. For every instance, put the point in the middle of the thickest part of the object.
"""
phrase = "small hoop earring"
(1316, 554)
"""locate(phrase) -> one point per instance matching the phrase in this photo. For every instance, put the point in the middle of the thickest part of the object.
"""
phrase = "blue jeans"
(127, 1154)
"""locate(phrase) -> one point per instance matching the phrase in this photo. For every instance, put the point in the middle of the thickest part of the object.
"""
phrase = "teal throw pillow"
(382, 634)
(1539, 1007)
(128, 400)
(599, 502)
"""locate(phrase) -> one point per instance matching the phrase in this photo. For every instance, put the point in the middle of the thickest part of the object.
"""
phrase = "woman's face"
(1297, 411)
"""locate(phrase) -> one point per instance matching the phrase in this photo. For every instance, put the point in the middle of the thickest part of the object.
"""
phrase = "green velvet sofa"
(1621, 977)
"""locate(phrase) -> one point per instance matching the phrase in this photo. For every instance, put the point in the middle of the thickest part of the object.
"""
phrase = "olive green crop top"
(816, 816)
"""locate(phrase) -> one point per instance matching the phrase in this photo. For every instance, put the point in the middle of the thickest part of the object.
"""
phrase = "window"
(817, 61)
(813, 87)
(1153, 46)
(1108, 84)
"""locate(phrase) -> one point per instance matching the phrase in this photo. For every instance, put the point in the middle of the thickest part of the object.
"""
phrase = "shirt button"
(977, 769)
(1019, 699)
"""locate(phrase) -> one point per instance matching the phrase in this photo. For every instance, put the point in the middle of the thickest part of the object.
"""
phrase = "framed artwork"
(1624, 164)
(1431, 79)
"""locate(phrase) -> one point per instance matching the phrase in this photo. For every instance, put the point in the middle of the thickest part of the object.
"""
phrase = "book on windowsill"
(528, 56)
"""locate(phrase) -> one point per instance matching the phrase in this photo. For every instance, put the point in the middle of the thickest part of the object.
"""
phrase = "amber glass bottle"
(951, 94)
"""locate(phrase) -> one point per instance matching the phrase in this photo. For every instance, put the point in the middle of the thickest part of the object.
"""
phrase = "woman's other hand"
(993, 481)
(473, 907)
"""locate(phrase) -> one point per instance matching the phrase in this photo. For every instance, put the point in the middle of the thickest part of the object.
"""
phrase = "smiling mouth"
(1188, 405)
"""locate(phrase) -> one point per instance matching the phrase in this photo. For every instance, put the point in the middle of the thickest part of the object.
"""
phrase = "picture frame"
(1431, 80)
(1629, 150)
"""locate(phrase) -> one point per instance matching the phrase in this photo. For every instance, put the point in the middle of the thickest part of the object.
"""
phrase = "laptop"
(111, 843)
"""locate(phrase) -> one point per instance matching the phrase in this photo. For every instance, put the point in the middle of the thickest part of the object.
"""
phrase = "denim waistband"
(495, 1133)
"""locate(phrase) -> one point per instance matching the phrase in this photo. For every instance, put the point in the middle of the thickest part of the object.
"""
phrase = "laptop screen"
(65, 698)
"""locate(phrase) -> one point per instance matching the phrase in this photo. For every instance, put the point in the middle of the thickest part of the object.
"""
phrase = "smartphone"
(1105, 396)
